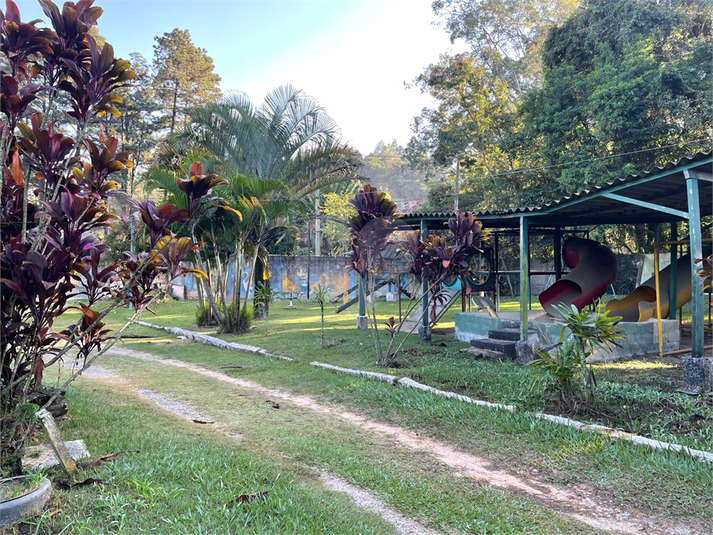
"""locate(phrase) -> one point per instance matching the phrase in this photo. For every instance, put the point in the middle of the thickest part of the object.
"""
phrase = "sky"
(353, 56)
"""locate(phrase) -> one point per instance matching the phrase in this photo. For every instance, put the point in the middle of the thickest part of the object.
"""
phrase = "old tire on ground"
(26, 505)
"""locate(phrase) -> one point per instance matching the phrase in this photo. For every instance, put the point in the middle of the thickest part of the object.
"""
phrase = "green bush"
(205, 318)
(556, 368)
(245, 320)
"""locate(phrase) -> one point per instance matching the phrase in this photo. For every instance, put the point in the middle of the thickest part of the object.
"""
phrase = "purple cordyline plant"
(55, 189)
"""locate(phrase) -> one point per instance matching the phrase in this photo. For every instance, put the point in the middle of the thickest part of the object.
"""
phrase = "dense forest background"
(555, 96)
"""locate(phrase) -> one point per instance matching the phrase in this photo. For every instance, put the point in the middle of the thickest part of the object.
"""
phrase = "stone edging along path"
(214, 341)
(407, 382)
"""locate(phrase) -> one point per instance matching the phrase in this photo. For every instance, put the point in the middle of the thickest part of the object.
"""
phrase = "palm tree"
(263, 207)
(272, 156)
(290, 138)
(266, 210)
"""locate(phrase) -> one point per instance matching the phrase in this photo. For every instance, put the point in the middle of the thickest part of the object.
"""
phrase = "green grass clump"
(171, 480)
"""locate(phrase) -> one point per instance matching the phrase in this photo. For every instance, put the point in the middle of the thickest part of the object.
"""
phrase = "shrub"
(54, 201)
(205, 318)
(245, 318)
(556, 368)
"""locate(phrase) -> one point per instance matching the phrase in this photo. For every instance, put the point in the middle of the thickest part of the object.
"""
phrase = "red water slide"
(593, 269)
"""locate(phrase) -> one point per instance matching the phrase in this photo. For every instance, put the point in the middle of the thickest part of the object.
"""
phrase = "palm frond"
(321, 166)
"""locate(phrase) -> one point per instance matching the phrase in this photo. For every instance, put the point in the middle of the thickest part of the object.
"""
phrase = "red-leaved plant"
(57, 165)
(370, 229)
(434, 260)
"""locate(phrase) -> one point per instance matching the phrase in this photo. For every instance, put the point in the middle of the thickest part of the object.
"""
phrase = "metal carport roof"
(655, 196)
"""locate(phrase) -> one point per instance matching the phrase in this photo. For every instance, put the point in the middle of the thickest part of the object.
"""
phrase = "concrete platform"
(640, 338)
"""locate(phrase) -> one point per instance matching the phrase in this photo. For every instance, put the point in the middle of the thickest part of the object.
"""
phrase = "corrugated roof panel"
(669, 187)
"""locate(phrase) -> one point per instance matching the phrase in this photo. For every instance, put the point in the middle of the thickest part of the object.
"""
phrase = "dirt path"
(365, 500)
(579, 502)
(362, 498)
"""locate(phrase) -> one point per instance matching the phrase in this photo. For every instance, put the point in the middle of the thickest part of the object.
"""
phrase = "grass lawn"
(667, 485)
(172, 479)
(179, 477)
(638, 396)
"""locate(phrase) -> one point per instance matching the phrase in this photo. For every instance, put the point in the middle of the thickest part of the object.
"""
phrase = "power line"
(577, 162)
(609, 157)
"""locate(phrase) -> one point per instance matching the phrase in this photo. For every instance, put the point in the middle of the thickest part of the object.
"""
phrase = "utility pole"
(457, 188)
(317, 228)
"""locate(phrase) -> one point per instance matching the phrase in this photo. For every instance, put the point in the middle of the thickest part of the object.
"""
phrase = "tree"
(136, 128)
(238, 236)
(505, 36)
(290, 138)
(388, 170)
(184, 75)
(606, 89)
(473, 123)
(626, 88)
(337, 210)
(370, 228)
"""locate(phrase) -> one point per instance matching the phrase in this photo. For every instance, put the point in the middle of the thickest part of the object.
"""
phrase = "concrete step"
(496, 348)
(506, 334)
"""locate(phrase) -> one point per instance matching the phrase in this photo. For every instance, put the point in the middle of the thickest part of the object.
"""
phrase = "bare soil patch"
(369, 502)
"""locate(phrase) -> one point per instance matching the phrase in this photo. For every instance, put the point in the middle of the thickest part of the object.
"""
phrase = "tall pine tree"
(184, 75)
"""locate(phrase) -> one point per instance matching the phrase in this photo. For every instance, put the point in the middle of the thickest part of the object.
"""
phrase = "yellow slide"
(640, 305)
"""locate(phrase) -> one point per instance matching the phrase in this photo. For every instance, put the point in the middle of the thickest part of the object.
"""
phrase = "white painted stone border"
(581, 426)
(405, 381)
(212, 340)
(391, 379)
(408, 382)
(623, 435)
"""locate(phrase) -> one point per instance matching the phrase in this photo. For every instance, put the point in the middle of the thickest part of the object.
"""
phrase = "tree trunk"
(250, 277)
(371, 283)
(237, 272)
(207, 289)
(262, 280)
(174, 109)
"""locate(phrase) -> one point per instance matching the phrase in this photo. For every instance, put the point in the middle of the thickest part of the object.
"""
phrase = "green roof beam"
(644, 204)
(637, 182)
(706, 177)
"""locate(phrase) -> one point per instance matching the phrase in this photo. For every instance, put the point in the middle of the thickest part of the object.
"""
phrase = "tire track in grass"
(578, 503)
(368, 501)
(357, 495)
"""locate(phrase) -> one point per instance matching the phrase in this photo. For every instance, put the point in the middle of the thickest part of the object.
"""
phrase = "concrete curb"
(212, 340)
(405, 381)
(410, 383)
(614, 434)
(623, 435)
(391, 379)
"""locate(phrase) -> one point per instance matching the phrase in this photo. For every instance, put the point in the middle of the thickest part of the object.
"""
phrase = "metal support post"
(558, 253)
(696, 251)
(524, 276)
(424, 330)
(672, 285)
(697, 370)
